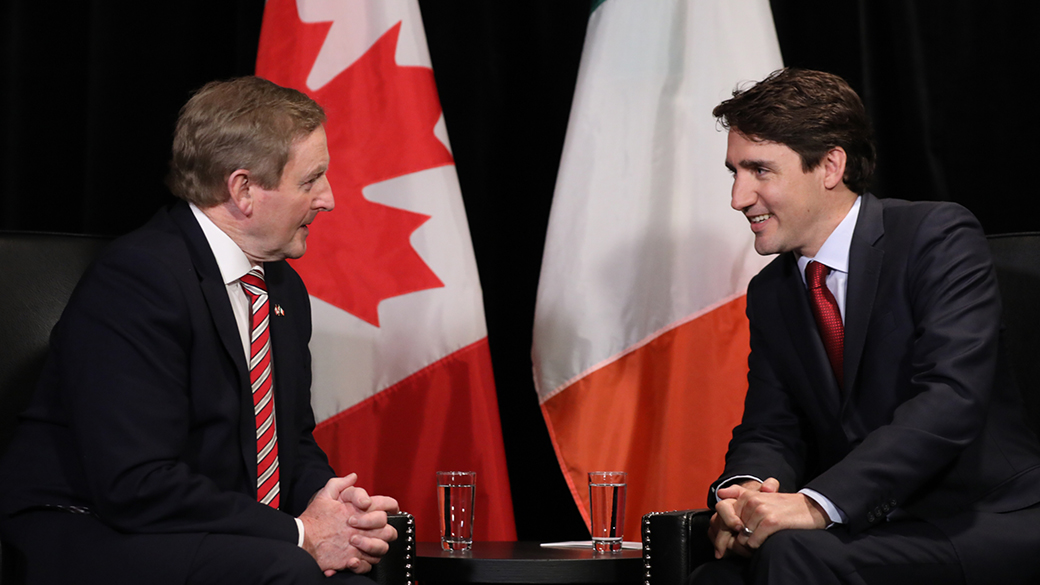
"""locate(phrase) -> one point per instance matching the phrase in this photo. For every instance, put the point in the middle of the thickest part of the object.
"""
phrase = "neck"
(230, 219)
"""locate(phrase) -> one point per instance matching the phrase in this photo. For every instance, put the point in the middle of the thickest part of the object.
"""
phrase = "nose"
(742, 195)
(325, 201)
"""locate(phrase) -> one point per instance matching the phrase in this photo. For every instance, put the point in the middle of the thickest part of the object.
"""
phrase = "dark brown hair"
(243, 123)
(810, 112)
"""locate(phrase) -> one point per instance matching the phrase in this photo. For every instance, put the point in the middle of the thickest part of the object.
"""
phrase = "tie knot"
(816, 273)
(253, 283)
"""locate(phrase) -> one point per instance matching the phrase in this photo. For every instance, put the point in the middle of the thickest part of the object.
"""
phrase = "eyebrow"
(753, 163)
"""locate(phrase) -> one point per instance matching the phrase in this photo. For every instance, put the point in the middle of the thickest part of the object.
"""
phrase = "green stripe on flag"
(596, 4)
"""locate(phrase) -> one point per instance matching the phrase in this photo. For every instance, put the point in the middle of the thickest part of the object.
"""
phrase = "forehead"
(741, 147)
(309, 150)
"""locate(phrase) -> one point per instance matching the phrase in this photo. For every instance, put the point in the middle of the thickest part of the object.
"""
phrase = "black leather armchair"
(674, 543)
(38, 272)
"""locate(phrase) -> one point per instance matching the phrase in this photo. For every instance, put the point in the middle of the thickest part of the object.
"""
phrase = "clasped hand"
(345, 528)
(763, 511)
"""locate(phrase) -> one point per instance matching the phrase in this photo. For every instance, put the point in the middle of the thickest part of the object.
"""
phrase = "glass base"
(605, 546)
(456, 545)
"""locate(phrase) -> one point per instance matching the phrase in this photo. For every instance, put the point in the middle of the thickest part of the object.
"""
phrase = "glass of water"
(607, 504)
(455, 495)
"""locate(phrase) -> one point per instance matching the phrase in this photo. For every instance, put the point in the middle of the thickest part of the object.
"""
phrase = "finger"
(713, 527)
(730, 492)
(372, 560)
(728, 516)
(720, 536)
(384, 503)
(760, 533)
(744, 534)
(722, 543)
(375, 547)
(368, 520)
(335, 486)
(358, 497)
(359, 566)
(770, 486)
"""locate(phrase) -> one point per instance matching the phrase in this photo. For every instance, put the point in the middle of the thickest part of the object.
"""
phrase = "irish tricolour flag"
(402, 373)
(640, 341)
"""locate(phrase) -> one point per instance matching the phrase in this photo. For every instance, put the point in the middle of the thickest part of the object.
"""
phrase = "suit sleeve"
(955, 306)
(769, 441)
(125, 346)
(312, 469)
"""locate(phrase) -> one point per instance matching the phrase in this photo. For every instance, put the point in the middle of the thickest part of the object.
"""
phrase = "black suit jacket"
(929, 421)
(144, 413)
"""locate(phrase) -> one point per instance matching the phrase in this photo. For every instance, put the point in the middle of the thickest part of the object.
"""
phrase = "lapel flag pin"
(279, 311)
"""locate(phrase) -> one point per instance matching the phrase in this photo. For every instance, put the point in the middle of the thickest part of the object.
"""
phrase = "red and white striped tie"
(262, 380)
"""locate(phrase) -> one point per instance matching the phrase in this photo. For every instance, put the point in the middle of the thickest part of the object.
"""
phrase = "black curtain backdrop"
(90, 92)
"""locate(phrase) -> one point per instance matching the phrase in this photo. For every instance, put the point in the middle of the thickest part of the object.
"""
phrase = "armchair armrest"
(675, 543)
(395, 568)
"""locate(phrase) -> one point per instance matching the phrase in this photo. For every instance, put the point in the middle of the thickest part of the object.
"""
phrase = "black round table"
(525, 562)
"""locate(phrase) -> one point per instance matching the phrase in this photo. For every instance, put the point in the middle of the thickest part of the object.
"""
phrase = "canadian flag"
(402, 384)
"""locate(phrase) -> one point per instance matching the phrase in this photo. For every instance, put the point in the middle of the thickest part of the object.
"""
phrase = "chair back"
(1017, 260)
(37, 274)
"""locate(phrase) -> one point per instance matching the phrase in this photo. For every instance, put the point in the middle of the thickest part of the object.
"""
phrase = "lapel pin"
(279, 311)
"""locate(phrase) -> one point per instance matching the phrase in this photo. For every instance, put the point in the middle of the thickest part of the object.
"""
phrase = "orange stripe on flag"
(442, 418)
(664, 413)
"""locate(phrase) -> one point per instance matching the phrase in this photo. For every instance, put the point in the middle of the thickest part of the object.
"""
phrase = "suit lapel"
(284, 382)
(794, 306)
(215, 292)
(864, 271)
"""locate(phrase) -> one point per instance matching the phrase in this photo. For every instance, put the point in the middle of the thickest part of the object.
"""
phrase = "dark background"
(90, 92)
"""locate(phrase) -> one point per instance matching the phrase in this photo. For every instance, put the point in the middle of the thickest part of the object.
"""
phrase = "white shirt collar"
(232, 261)
(834, 253)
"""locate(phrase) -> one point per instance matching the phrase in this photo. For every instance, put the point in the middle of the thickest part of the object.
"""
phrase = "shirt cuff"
(731, 480)
(299, 526)
(834, 514)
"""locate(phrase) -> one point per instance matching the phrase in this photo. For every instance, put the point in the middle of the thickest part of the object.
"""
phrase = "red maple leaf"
(381, 119)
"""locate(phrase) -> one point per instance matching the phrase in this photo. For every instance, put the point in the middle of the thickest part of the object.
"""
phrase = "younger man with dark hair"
(882, 439)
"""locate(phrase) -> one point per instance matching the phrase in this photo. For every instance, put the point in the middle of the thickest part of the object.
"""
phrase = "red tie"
(828, 318)
(263, 390)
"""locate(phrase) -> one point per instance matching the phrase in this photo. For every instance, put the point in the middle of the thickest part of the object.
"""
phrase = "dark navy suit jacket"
(144, 413)
(929, 421)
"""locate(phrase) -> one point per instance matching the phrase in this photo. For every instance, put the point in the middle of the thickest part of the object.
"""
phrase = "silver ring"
(747, 531)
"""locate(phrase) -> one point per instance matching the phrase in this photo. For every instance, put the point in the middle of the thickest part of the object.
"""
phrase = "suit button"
(892, 503)
(886, 508)
(870, 517)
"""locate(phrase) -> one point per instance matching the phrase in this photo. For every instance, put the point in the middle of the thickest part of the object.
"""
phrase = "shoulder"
(917, 217)
(782, 267)
(153, 264)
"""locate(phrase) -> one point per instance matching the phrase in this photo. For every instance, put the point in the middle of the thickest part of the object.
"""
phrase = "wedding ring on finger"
(747, 531)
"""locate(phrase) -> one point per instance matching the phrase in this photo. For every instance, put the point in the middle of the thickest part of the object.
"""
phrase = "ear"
(834, 167)
(238, 187)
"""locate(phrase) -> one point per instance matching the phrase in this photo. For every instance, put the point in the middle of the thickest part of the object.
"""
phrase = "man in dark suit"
(882, 439)
(169, 440)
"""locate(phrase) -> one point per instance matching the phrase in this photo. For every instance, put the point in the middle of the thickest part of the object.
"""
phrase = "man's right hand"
(726, 525)
(344, 528)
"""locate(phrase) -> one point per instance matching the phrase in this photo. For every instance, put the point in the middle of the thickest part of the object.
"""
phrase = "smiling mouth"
(759, 218)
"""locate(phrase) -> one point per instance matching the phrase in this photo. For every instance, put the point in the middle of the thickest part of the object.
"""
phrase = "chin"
(763, 248)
